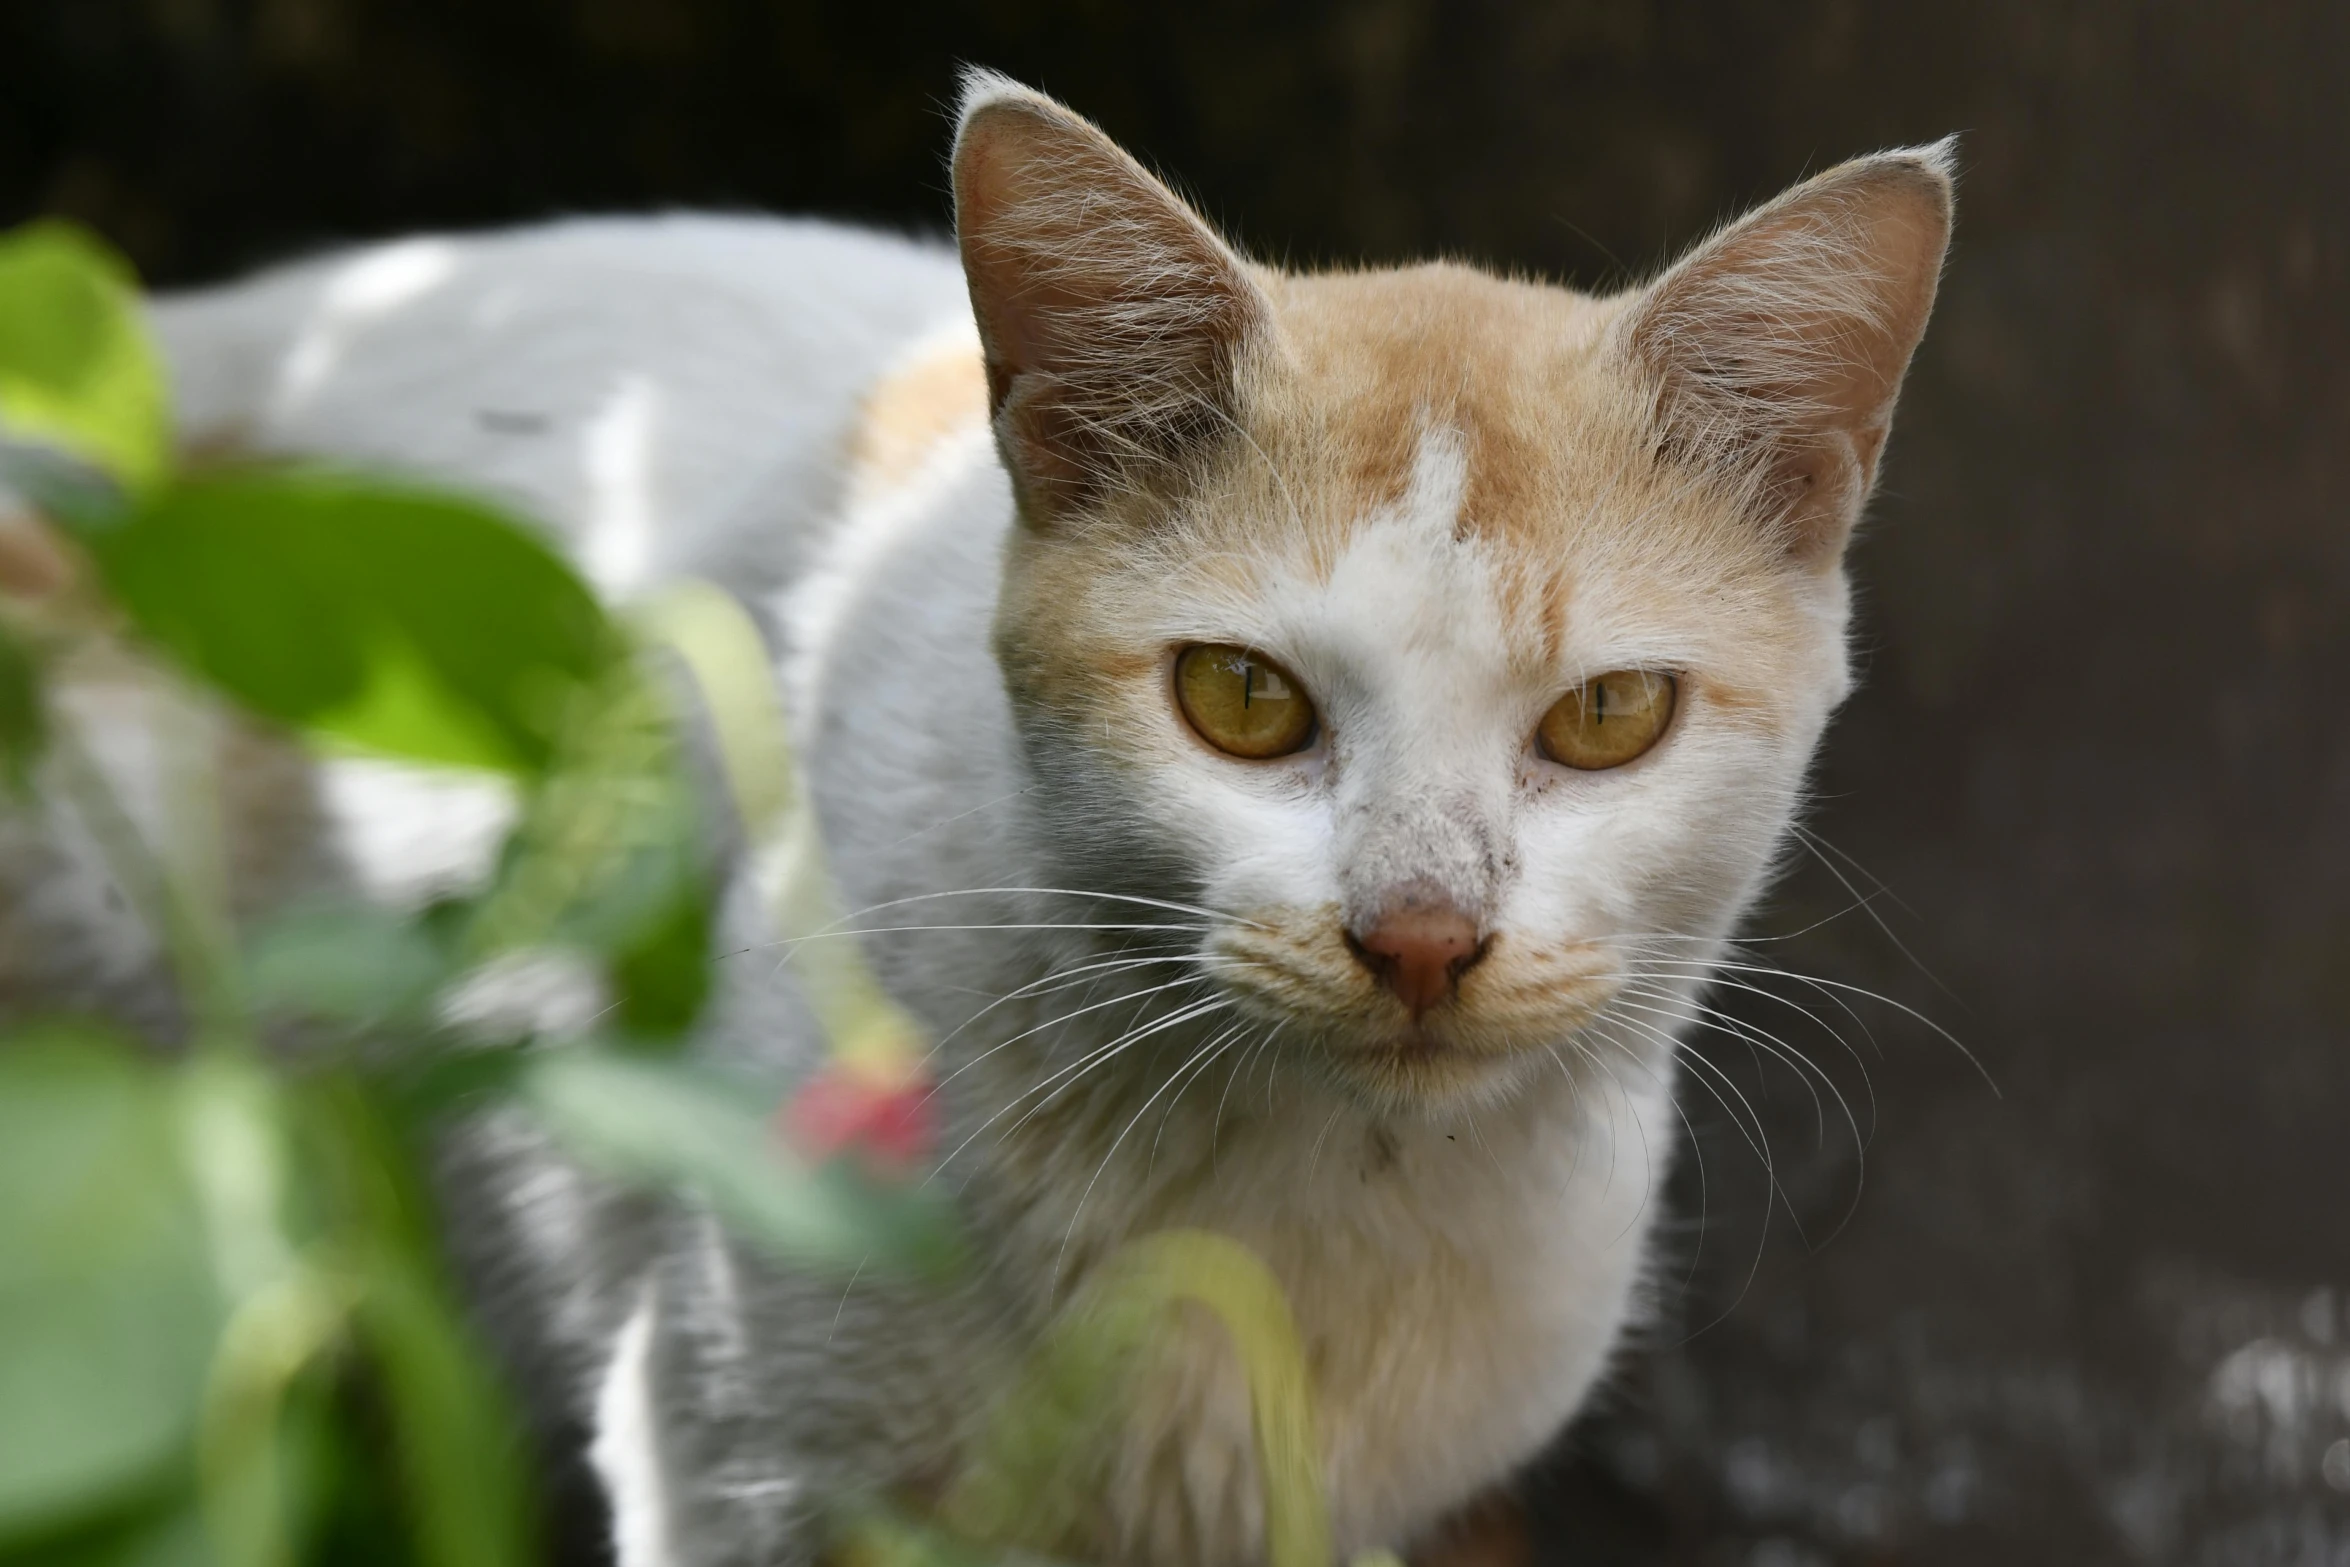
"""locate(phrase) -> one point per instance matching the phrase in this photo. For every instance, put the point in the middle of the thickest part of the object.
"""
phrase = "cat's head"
(1459, 642)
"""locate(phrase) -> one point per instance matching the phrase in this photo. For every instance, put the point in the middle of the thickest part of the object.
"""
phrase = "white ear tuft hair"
(1776, 349)
(981, 87)
(1112, 317)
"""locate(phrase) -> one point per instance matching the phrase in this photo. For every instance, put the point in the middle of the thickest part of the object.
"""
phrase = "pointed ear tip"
(1917, 181)
(1934, 164)
(985, 90)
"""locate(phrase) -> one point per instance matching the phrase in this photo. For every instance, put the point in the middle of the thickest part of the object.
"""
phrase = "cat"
(1303, 740)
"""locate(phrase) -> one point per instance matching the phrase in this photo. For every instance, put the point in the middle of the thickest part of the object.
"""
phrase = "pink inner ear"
(1110, 314)
(1004, 288)
(1779, 347)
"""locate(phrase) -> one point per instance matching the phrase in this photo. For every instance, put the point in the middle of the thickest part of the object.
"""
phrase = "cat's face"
(1330, 589)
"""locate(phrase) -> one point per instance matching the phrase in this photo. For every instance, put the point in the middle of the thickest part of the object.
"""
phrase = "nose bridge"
(1415, 829)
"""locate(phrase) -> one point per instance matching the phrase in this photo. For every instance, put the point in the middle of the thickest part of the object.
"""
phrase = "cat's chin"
(1422, 1070)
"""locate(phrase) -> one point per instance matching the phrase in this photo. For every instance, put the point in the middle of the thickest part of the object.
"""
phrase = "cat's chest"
(1452, 1314)
(1455, 1342)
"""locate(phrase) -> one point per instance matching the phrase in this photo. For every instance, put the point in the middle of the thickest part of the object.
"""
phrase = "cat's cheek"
(1298, 872)
(1262, 838)
(1669, 843)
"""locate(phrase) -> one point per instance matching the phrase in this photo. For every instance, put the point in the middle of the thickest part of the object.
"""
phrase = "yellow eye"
(1243, 704)
(1607, 720)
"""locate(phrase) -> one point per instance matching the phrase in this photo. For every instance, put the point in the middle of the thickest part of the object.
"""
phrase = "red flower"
(886, 1121)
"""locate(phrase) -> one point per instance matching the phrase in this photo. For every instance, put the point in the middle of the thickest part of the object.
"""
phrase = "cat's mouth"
(1455, 1050)
(1429, 1067)
(1519, 1007)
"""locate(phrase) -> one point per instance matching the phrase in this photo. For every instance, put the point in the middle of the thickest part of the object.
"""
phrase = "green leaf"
(720, 646)
(23, 717)
(257, 1460)
(169, 1533)
(664, 975)
(666, 1123)
(630, 844)
(76, 367)
(354, 1494)
(236, 1126)
(608, 838)
(346, 964)
(108, 1310)
(403, 620)
(461, 1458)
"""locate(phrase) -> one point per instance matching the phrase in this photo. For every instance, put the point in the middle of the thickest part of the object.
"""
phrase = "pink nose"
(1420, 952)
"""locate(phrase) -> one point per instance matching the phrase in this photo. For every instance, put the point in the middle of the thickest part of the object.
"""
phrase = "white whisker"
(1061, 1257)
(1824, 986)
(1055, 1022)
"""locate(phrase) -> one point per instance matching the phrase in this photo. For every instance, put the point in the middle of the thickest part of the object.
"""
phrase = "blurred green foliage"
(226, 1336)
(223, 1317)
(22, 721)
(76, 369)
(408, 622)
(108, 1300)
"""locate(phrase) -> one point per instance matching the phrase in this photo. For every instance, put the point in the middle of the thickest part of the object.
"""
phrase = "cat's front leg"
(742, 1402)
(678, 1494)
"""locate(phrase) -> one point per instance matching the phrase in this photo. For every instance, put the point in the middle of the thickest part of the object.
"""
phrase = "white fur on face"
(1424, 779)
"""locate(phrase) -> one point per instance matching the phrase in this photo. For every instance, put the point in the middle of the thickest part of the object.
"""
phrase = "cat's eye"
(1243, 704)
(1607, 720)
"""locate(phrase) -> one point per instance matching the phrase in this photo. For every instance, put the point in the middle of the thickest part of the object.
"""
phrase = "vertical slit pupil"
(1598, 703)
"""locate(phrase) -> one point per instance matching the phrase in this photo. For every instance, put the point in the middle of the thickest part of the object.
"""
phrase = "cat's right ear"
(1113, 319)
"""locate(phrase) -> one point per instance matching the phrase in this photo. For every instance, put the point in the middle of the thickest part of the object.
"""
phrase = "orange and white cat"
(1307, 735)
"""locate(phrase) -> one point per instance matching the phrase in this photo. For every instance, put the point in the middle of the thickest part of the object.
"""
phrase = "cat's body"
(1433, 499)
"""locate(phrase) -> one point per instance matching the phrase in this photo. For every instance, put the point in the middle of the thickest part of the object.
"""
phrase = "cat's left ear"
(1113, 319)
(1776, 349)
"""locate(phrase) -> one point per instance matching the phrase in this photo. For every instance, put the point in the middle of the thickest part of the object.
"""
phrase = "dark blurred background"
(2101, 761)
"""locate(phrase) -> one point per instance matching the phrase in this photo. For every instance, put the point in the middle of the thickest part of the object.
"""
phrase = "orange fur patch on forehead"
(1377, 360)
(1485, 415)
(1499, 399)
(933, 396)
